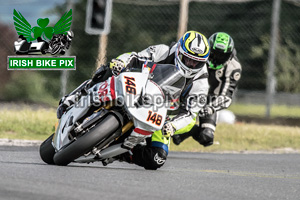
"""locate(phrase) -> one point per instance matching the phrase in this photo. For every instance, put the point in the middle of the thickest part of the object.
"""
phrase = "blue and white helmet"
(191, 53)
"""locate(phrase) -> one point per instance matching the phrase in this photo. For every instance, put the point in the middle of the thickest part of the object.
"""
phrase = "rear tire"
(85, 143)
(47, 151)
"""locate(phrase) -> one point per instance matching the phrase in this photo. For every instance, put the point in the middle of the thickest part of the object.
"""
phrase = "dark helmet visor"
(190, 63)
(218, 57)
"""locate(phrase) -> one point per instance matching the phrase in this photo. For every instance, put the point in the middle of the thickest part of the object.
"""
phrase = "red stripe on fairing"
(142, 132)
(152, 68)
(112, 88)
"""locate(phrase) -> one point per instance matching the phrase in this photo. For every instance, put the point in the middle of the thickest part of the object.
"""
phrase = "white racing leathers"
(194, 94)
(223, 83)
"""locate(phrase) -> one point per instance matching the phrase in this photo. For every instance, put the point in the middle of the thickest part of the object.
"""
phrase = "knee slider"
(99, 75)
(159, 157)
(205, 137)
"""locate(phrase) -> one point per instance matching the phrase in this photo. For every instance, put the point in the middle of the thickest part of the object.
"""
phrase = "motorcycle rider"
(190, 55)
(224, 73)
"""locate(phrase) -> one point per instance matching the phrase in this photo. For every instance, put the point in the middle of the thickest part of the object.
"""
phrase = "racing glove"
(168, 129)
(116, 65)
(206, 111)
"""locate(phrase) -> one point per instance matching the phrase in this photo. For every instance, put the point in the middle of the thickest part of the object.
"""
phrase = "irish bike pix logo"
(42, 47)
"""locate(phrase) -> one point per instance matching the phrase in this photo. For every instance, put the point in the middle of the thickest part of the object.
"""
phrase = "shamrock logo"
(43, 30)
(24, 28)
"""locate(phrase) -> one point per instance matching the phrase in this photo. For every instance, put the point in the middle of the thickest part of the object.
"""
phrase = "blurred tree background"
(137, 24)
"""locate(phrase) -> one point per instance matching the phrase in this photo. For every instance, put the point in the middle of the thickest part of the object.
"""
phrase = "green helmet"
(221, 47)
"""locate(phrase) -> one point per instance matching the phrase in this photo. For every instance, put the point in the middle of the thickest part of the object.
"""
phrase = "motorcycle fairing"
(143, 99)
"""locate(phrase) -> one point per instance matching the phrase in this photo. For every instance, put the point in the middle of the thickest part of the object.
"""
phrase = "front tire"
(47, 151)
(85, 143)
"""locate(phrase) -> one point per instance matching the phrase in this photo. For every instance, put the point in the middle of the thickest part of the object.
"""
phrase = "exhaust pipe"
(112, 151)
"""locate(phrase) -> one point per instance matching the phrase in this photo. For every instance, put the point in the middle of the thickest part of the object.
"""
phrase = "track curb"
(24, 143)
(15, 142)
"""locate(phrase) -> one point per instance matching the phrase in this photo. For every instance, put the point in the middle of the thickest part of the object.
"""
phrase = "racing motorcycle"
(95, 126)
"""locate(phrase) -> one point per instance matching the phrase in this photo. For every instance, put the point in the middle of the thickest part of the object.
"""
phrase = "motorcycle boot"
(178, 138)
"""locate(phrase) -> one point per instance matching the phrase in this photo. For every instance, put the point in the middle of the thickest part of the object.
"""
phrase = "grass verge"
(27, 124)
(39, 124)
(260, 110)
(246, 137)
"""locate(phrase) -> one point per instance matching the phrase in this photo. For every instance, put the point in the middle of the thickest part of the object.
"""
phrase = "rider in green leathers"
(224, 71)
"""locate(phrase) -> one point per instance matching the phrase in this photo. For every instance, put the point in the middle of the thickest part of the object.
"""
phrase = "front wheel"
(47, 151)
(85, 143)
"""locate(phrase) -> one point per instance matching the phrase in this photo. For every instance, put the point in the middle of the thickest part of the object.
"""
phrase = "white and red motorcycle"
(94, 128)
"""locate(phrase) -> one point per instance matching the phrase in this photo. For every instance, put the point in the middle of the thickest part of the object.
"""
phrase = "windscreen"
(167, 76)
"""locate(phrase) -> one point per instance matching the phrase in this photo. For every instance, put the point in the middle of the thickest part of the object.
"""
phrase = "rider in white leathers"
(190, 55)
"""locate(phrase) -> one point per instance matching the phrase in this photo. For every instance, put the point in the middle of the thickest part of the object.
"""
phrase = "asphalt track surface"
(185, 176)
